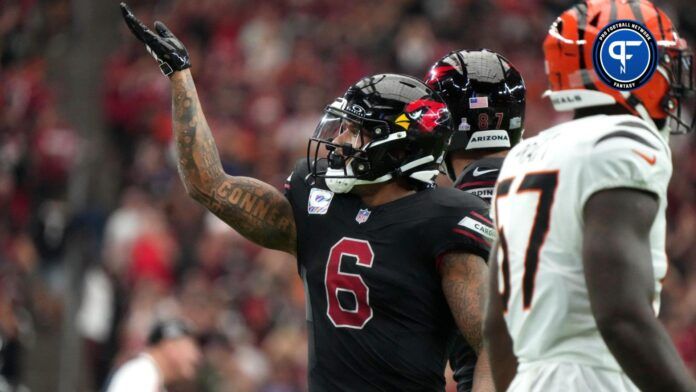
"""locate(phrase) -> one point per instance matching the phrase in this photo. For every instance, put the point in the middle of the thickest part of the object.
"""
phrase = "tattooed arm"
(464, 280)
(255, 209)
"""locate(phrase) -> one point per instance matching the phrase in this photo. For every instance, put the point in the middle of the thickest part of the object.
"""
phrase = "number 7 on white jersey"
(544, 183)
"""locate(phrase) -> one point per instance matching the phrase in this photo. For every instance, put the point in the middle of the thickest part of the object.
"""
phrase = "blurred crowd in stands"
(264, 70)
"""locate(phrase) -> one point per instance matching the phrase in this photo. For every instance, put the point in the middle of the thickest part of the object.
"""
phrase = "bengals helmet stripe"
(659, 22)
(582, 20)
(637, 12)
(612, 13)
(574, 83)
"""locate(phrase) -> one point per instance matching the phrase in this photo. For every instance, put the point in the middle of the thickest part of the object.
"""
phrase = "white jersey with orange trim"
(538, 208)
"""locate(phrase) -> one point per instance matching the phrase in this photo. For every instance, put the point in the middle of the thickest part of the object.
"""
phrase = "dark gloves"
(169, 52)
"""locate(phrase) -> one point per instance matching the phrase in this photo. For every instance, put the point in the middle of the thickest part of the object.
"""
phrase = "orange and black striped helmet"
(574, 83)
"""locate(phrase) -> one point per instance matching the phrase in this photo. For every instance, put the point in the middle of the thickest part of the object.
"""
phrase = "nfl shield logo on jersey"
(362, 216)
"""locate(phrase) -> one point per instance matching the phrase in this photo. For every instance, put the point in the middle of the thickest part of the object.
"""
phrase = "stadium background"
(97, 236)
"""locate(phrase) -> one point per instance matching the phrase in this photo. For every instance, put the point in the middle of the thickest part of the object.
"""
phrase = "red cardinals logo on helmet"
(425, 112)
(437, 72)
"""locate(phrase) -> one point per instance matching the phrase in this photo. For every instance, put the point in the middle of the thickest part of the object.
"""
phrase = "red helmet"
(573, 79)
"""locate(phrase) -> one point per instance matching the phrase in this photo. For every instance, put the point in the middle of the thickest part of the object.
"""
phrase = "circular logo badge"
(357, 109)
(625, 55)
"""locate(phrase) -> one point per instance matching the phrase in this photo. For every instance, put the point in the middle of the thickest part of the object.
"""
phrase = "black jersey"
(377, 317)
(478, 179)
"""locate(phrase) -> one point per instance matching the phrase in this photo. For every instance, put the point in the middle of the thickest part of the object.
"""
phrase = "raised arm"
(621, 286)
(255, 209)
(464, 281)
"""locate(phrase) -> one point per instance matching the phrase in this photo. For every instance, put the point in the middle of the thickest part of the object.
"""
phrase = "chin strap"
(378, 180)
(344, 185)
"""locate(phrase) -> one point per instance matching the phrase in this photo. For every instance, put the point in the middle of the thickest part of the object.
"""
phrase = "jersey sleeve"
(625, 163)
(479, 178)
(468, 230)
(296, 188)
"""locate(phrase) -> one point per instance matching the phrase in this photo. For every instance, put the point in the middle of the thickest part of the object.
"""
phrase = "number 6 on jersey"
(337, 281)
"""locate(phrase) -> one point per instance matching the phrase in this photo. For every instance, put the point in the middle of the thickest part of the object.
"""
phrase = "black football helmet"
(485, 95)
(401, 129)
(168, 329)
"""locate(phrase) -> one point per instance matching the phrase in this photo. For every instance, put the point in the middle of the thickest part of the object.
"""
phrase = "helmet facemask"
(350, 163)
(680, 101)
(405, 145)
(399, 129)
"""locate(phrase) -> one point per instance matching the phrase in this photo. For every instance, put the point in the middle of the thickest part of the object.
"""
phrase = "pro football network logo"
(625, 55)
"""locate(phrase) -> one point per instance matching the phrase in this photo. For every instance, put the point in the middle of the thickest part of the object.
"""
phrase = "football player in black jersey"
(485, 95)
(391, 265)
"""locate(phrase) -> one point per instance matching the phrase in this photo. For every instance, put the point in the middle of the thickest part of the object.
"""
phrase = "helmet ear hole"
(361, 167)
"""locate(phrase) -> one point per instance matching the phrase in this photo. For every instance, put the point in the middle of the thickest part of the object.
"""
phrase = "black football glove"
(169, 52)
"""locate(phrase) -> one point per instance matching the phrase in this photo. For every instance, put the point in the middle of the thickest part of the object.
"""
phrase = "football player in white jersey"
(580, 212)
